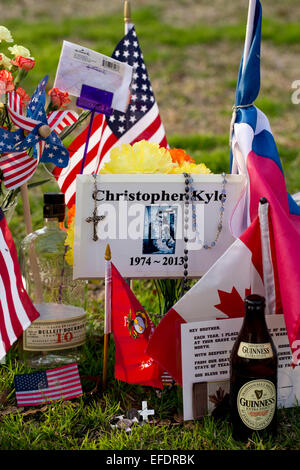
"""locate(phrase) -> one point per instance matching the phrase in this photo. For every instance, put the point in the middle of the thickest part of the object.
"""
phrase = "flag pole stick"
(127, 16)
(107, 317)
(127, 26)
(87, 142)
(249, 30)
(268, 270)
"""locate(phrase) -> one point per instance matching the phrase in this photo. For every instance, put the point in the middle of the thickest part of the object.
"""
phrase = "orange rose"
(23, 95)
(7, 81)
(24, 62)
(179, 156)
(58, 98)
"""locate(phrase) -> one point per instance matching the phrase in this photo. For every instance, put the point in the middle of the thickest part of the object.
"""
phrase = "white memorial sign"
(142, 218)
(206, 348)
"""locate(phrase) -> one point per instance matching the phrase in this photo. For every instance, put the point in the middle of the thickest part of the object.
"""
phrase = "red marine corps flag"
(132, 329)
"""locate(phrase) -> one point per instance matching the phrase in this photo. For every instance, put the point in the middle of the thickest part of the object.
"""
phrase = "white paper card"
(206, 348)
(82, 66)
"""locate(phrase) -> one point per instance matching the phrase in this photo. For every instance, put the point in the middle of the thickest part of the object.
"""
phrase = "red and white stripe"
(63, 384)
(17, 168)
(14, 107)
(102, 141)
(16, 309)
(58, 120)
(14, 102)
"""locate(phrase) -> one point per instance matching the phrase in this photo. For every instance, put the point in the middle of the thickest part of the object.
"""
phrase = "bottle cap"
(54, 206)
(254, 301)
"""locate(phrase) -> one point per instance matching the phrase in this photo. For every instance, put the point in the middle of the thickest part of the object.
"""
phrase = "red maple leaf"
(231, 303)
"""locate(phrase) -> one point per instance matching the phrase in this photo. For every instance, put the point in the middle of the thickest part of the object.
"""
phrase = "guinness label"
(255, 350)
(256, 403)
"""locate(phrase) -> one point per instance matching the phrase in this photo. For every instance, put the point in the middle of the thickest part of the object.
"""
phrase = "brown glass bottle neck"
(255, 321)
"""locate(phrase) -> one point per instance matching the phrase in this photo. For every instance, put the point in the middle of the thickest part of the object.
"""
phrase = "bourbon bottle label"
(54, 335)
(256, 403)
(255, 350)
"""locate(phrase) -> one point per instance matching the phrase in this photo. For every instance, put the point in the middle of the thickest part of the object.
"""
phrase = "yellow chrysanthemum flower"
(193, 168)
(141, 157)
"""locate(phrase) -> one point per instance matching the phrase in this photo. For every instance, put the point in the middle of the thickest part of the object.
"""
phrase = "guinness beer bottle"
(253, 374)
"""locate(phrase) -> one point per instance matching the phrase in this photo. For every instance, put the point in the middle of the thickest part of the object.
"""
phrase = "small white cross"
(144, 412)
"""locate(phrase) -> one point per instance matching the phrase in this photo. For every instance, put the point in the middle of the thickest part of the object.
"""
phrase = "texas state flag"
(254, 153)
(265, 258)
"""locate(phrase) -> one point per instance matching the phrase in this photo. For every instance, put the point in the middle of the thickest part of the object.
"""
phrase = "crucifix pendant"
(95, 218)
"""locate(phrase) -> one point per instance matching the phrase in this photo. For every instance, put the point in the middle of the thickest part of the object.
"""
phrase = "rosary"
(207, 246)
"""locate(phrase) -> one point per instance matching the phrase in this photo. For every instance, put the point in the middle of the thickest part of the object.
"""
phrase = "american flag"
(141, 121)
(16, 309)
(61, 383)
(18, 167)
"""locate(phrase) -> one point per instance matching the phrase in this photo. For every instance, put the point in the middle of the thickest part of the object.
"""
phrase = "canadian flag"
(131, 328)
(220, 293)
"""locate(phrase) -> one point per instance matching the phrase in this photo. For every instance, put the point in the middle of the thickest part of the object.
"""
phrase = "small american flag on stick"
(61, 383)
(16, 309)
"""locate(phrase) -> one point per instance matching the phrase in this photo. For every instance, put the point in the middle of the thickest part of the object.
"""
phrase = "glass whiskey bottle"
(58, 335)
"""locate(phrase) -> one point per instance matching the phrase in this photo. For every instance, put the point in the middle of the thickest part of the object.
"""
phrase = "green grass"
(84, 423)
(160, 41)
